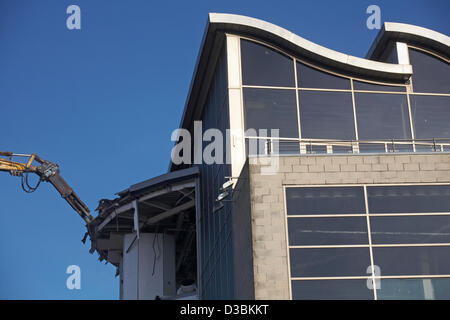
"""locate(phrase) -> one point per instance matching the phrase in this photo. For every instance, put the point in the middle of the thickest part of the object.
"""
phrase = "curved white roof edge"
(321, 53)
(416, 30)
(408, 32)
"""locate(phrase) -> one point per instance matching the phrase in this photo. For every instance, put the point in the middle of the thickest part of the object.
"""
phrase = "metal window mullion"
(297, 100)
(369, 235)
(330, 278)
(329, 246)
(411, 123)
(287, 243)
(430, 94)
(354, 118)
(327, 215)
(421, 276)
(411, 245)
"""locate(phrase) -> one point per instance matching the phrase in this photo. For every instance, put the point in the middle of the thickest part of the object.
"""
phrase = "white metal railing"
(280, 146)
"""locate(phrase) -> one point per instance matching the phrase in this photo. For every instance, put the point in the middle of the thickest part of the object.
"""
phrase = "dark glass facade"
(337, 234)
(216, 256)
(431, 74)
(338, 237)
(330, 106)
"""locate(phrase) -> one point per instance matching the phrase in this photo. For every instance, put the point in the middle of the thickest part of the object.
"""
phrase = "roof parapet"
(298, 45)
(423, 37)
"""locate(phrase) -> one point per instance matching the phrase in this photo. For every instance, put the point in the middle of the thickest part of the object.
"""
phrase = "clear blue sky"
(102, 103)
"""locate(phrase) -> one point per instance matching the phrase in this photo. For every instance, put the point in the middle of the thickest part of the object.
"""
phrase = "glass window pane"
(392, 56)
(342, 149)
(327, 231)
(390, 146)
(325, 200)
(330, 262)
(431, 116)
(262, 66)
(430, 73)
(382, 116)
(414, 289)
(287, 147)
(430, 146)
(409, 199)
(314, 148)
(308, 77)
(410, 229)
(372, 148)
(358, 85)
(348, 289)
(326, 115)
(412, 260)
(399, 147)
(271, 109)
(256, 147)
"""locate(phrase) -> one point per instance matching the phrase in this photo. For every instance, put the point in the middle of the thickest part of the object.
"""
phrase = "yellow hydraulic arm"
(47, 171)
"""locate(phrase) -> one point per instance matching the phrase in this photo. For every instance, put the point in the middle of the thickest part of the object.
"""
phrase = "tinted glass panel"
(430, 146)
(397, 147)
(385, 147)
(326, 115)
(262, 66)
(332, 262)
(342, 149)
(271, 109)
(256, 146)
(414, 289)
(412, 260)
(308, 77)
(313, 148)
(354, 289)
(392, 56)
(358, 85)
(430, 73)
(431, 116)
(382, 116)
(371, 148)
(325, 200)
(288, 147)
(326, 231)
(409, 199)
(411, 229)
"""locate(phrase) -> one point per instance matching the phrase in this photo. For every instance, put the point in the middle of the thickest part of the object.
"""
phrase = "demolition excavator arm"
(47, 171)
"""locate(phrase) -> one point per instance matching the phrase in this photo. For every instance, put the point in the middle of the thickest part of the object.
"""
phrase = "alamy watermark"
(211, 147)
(74, 280)
(374, 280)
(74, 20)
(374, 20)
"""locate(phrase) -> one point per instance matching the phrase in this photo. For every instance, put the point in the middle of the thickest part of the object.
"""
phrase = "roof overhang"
(161, 203)
(298, 46)
(401, 32)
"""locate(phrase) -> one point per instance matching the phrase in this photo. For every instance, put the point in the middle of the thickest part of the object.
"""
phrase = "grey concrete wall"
(267, 199)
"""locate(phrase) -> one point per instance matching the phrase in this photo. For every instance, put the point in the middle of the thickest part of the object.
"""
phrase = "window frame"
(370, 245)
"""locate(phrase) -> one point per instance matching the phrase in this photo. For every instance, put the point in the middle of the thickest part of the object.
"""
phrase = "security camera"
(218, 208)
(227, 184)
(222, 196)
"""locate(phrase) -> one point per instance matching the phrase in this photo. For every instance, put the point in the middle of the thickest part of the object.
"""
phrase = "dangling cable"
(29, 189)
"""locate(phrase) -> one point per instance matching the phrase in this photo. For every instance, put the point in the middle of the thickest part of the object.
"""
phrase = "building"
(350, 199)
